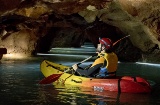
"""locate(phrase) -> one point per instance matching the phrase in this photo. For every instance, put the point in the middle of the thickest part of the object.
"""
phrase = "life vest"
(109, 60)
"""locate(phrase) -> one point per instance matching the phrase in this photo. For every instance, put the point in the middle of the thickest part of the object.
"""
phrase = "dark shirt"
(89, 72)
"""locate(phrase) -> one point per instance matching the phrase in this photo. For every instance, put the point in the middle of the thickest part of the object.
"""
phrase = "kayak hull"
(119, 84)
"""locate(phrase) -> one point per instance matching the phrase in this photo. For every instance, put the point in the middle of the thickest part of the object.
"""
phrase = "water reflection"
(19, 84)
(146, 70)
(87, 96)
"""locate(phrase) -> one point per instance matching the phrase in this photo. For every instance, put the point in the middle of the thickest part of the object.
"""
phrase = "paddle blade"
(50, 79)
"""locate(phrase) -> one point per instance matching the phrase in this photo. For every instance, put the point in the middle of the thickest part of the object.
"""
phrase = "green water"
(19, 82)
(19, 86)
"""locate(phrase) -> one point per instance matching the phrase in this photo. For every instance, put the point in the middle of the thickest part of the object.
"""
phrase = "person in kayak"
(106, 63)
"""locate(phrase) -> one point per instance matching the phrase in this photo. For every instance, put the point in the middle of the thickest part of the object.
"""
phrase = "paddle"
(52, 78)
(120, 40)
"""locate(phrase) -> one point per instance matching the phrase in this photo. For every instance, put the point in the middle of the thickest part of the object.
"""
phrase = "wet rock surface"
(31, 26)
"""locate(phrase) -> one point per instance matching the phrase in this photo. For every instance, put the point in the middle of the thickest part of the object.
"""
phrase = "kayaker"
(106, 63)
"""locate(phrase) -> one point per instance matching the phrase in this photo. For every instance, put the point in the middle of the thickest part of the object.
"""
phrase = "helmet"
(106, 41)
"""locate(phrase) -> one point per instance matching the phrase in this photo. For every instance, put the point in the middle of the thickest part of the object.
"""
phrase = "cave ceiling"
(31, 26)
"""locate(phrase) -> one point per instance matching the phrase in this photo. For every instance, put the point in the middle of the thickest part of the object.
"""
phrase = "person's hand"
(75, 67)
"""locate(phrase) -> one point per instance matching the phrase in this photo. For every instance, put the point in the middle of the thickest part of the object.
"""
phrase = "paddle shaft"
(86, 59)
(120, 40)
(82, 62)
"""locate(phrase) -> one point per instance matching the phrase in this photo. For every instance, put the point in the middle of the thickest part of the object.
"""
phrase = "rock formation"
(31, 26)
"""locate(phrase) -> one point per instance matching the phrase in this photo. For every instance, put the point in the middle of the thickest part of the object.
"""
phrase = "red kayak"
(55, 72)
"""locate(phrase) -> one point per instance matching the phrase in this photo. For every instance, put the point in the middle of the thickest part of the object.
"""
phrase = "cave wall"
(55, 24)
(21, 43)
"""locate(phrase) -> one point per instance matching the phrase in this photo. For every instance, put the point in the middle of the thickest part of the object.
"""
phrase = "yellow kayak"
(118, 84)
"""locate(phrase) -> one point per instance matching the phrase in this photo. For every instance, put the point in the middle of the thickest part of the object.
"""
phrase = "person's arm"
(94, 70)
(75, 67)
(87, 67)
(90, 72)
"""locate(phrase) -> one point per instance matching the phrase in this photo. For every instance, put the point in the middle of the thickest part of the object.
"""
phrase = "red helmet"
(106, 41)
